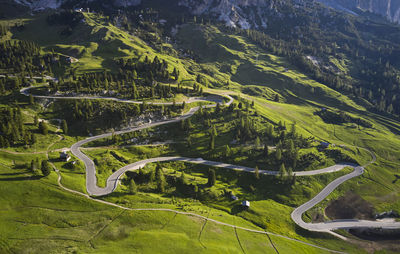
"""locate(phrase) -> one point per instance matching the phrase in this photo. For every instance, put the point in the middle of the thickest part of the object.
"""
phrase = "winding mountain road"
(112, 181)
(25, 91)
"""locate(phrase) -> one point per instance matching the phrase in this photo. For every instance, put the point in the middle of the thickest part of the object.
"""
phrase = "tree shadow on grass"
(397, 177)
(310, 234)
(23, 178)
(13, 174)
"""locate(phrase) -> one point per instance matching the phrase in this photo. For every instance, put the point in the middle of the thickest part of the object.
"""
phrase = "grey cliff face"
(243, 13)
(390, 9)
(54, 4)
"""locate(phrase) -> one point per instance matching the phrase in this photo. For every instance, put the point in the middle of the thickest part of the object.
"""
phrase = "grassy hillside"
(49, 218)
(40, 222)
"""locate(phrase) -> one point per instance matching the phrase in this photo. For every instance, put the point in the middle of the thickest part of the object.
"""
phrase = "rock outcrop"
(389, 9)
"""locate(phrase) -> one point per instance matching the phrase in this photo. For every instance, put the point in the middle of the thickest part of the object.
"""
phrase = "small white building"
(65, 156)
(246, 203)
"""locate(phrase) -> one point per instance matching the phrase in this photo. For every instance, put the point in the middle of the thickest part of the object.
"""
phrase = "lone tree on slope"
(211, 177)
(132, 187)
(46, 169)
(64, 126)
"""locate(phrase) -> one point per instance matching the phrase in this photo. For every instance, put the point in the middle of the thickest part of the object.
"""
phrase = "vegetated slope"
(223, 53)
(94, 41)
(33, 219)
(388, 9)
(220, 54)
(351, 54)
(291, 87)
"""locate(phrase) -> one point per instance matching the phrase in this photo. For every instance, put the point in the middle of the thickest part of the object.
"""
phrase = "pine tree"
(282, 172)
(31, 100)
(64, 127)
(43, 128)
(266, 151)
(36, 120)
(189, 141)
(278, 154)
(46, 169)
(257, 173)
(37, 163)
(213, 131)
(32, 166)
(257, 143)
(159, 172)
(291, 147)
(132, 187)
(227, 151)
(218, 108)
(290, 172)
(161, 184)
(183, 178)
(211, 177)
(212, 142)
(293, 130)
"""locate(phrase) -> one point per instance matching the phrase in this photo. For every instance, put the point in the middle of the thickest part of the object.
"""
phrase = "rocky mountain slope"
(54, 4)
(244, 13)
(389, 9)
(241, 12)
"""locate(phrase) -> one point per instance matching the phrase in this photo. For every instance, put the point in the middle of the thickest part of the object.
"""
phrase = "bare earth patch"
(350, 206)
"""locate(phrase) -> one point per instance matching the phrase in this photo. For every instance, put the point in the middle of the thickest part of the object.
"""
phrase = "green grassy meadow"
(37, 216)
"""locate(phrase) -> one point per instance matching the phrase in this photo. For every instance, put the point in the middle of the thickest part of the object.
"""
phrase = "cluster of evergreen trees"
(378, 76)
(68, 18)
(44, 166)
(371, 49)
(13, 131)
(135, 80)
(90, 115)
(21, 56)
(151, 178)
(149, 70)
(3, 30)
(156, 180)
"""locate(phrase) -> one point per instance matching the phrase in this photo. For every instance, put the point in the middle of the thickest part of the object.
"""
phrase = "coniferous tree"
(257, 143)
(257, 173)
(36, 120)
(43, 128)
(183, 178)
(211, 177)
(46, 169)
(161, 184)
(290, 172)
(31, 100)
(33, 139)
(227, 151)
(64, 126)
(266, 151)
(212, 142)
(160, 179)
(278, 154)
(282, 172)
(132, 187)
(189, 141)
(32, 166)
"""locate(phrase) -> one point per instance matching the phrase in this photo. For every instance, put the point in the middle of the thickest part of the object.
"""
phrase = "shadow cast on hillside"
(24, 178)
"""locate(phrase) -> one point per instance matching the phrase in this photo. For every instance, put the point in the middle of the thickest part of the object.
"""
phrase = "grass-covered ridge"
(271, 93)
